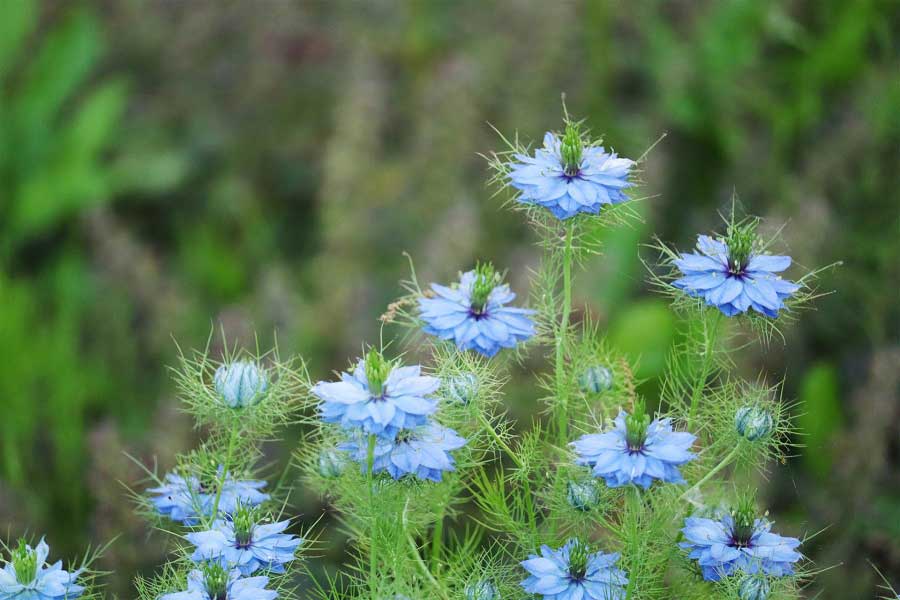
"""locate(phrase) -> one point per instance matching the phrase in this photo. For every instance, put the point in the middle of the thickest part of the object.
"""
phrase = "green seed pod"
(596, 379)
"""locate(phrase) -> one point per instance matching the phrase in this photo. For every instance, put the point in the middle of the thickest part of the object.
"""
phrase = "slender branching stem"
(418, 557)
(562, 391)
(232, 440)
(708, 350)
(722, 464)
(370, 475)
(437, 540)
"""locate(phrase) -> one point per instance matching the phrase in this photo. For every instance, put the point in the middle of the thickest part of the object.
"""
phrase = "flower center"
(24, 560)
(244, 520)
(578, 560)
(741, 241)
(636, 426)
(486, 279)
(405, 436)
(377, 370)
(571, 150)
(215, 578)
(744, 517)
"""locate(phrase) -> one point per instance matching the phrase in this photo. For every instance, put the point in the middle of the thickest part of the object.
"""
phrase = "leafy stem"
(562, 392)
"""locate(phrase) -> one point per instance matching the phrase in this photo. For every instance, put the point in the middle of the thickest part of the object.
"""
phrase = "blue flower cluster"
(247, 547)
(28, 576)
(188, 499)
(474, 314)
(574, 573)
(635, 451)
(394, 404)
(212, 582)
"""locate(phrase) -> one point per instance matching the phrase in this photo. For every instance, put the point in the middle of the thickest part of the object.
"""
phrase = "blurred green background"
(170, 165)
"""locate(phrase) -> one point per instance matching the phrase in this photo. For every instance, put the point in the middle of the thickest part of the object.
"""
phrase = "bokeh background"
(168, 166)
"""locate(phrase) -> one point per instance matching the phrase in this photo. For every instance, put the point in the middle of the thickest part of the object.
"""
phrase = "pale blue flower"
(28, 576)
(245, 545)
(573, 573)
(378, 398)
(568, 178)
(635, 451)
(188, 500)
(240, 383)
(474, 313)
(210, 583)
(423, 452)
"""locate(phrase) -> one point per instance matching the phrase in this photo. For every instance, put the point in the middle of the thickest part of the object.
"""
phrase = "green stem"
(722, 464)
(418, 557)
(562, 389)
(710, 335)
(370, 475)
(232, 440)
(437, 539)
(500, 442)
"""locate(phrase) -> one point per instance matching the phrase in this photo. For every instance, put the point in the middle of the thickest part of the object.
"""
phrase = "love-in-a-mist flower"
(240, 383)
(568, 176)
(474, 313)
(213, 582)
(734, 275)
(738, 541)
(574, 573)
(636, 450)
(423, 452)
(28, 576)
(189, 498)
(378, 397)
(245, 544)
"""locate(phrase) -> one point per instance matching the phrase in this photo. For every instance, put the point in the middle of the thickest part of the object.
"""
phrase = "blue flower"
(246, 545)
(738, 542)
(423, 452)
(568, 178)
(188, 499)
(474, 313)
(732, 276)
(573, 573)
(28, 576)
(636, 451)
(212, 582)
(240, 383)
(378, 397)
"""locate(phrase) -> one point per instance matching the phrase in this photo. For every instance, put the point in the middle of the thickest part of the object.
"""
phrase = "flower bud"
(753, 587)
(240, 383)
(753, 422)
(482, 590)
(462, 388)
(583, 495)
(596, 379)
(331, 463)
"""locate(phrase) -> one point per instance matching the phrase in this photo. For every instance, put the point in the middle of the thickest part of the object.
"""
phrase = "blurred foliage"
(170, 165)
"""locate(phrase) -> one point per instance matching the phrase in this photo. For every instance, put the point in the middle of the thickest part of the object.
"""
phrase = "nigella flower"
(245, 544)
(574, 573)
(733, 275)
(240, 383)
(188, 498)
(212, 582)
(568, 177)
(28, 576)
(378, 397)
(474, 313)
(423, 452)
(636, 451)
(738, 542)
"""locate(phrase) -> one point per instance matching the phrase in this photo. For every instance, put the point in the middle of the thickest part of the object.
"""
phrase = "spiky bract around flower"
(738, 542)
(474, 313)
(423, 452)
(211, 582)
(28, 576)
(240, 383)
(245, 544)
(568, 177)
(188, 499)
(482, 590)
(635, 451)
(574, 573)
(732, 275)
(378, 397)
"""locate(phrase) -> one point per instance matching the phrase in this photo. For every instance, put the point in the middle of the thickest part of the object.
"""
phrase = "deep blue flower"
(240, 383)
(635, 451)
(474, 313)
(573, 573)
(188, 499)
(212, 582)
(738, 542)
(245, 544)
(568, 178)
(732, 276)
(28, 576)
(378, 397)
(423, 452)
